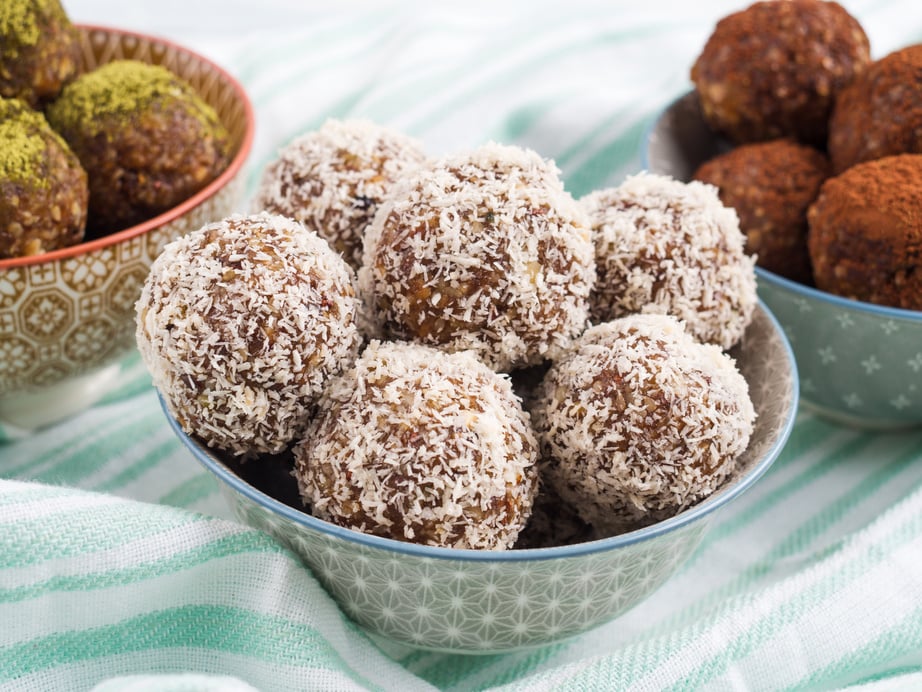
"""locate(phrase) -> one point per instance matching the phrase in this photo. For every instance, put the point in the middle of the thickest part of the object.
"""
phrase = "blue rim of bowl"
(722, 497)
(777, 279)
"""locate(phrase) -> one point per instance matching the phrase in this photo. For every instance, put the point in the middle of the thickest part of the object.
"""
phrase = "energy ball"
(145, 138)
(771, 185)
(865, 236)
(39, 50)
(43, 188)
(640, 421)
(664, 246)
(483, 251)
(774, 69)
(241, 325)
(880, 113)
(423, 446)
(334, 179)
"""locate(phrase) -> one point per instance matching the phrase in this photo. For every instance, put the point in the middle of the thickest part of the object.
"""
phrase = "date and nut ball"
(146, 139)
(483, 250)
(771, 185)
(43, 188)
(865, 236)
(774, 69)
(333, 180)
(420, 445)
(669, 247)
(880, 113)
(39, 50)
(640, 421)
(241, 324)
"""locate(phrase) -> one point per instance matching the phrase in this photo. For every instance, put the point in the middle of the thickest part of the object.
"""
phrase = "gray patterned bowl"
(67, 317)
(859, 363)
(466, 601)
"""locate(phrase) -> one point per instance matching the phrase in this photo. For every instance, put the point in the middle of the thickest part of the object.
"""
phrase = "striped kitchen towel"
(121, 567)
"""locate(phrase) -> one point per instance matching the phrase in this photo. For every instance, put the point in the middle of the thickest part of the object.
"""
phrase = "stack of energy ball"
(383, 316)
(88, 153)
(826, 166)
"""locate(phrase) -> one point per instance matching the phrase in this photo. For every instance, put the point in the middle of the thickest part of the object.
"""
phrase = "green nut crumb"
(24, 140)
(21, 22)
(121, 89)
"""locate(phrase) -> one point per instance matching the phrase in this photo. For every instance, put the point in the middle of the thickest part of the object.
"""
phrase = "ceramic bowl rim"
(689, 516)
(184, 207)
(771, 277)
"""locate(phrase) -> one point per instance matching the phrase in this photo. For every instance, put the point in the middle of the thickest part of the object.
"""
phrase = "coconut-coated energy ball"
(880, 113)
(146, 139)
(420, 445)
(774, 69)
(39, 50)
(483, 250)
(241, 325)
(664, 246)
(640, 421)
(771, 185)
(333, 179)
(43, 187)
(865, 236)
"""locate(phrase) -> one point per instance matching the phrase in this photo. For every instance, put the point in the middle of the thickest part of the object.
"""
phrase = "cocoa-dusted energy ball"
(865, 236)
(880, 113)
(770, 185)
(39, 50)
(774, 69)
(241, 324)
(333, 180)
(145, 138)
(640, 421)
(420, 445)
(484, 251)
(43, 188)
(664, 246)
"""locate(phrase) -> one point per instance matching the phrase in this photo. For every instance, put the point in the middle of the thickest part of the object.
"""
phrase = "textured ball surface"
(334, 179)
(640, 421)
(241, 324)
(483, 251)
(420, 445)
(668, 247)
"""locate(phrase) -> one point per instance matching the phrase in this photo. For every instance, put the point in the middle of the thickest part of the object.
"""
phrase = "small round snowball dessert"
(423, 446)
(640, 421)
(668, 247)
(241, 324)
(484, 251)
(333, 179)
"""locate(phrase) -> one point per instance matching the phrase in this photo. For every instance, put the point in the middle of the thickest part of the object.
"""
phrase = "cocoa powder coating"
(865, 232)
(771, 185)
(774, 69)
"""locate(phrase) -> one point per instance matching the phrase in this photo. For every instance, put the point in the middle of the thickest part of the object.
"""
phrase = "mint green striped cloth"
(122, 569)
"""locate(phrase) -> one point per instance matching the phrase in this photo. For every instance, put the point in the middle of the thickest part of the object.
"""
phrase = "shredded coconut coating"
(668, 247)
(420, 445)
(640, 421)
(241, 324)
(333, 179)
(483, 251)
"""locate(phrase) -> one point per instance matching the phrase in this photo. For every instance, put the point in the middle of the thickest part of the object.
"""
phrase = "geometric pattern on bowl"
(71, 311)
(466, 601)
(859, 363)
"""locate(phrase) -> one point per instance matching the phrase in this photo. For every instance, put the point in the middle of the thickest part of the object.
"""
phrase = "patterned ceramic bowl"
(67, 317)
(860, 364)
(483, 601)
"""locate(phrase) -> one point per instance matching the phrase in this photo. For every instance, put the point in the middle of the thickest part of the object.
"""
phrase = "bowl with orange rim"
(67, 316)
